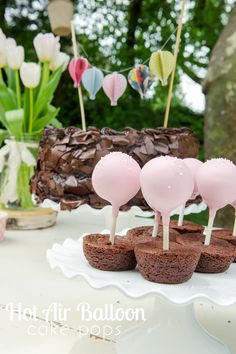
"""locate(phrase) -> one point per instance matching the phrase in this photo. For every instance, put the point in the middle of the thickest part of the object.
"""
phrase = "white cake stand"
(172, 327)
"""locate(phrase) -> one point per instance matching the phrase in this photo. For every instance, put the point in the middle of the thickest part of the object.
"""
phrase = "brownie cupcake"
(215, 258)
(187, 227)
(226, 235)
(174, 266)
(101, 254)
(144, 234)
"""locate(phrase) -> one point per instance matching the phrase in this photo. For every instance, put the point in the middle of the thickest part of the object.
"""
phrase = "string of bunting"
(140, 77)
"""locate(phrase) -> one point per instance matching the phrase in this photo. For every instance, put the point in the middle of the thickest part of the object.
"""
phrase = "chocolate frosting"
(67, 157)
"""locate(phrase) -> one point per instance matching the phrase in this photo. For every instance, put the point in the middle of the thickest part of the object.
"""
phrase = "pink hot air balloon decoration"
(166, 183)
(116, 179)
(77, 67)
(216, 182)
(193, 165)
(114, 85)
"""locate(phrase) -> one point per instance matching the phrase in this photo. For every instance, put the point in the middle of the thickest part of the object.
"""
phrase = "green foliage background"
(116, 34)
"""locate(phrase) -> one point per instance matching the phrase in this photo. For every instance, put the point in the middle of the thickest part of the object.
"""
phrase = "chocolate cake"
(144, 234)
(215, 258)
(67, 158)
(101, 254)
(167, 267)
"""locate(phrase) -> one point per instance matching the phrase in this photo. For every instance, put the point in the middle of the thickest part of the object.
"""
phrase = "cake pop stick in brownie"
(193, 165)
(156, 224)
(234, 228)
(216, 181)
(116, 179)
(166, 183)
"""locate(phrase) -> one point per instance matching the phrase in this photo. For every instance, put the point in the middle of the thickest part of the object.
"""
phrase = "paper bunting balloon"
(77, 68)
(92, 80)
(140, 79)
(114, 85)
(161, 65)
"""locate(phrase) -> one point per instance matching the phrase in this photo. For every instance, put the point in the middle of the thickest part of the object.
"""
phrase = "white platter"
(218, 288)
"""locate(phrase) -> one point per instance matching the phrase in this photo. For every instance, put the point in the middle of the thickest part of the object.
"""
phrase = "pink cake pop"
(193, 165)
(115, 178)
(216, 181)
(166, 183)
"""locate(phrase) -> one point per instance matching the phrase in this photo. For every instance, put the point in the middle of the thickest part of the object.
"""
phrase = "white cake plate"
(172, 327)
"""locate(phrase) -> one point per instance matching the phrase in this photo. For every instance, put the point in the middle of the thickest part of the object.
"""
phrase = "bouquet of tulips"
(26, 89)
(26, 93)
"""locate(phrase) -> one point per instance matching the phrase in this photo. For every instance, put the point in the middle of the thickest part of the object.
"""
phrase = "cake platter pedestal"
(172, 326)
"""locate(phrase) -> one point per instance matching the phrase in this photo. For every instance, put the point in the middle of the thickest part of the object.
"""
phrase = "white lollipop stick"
(212, 215)
(234, 230)
(115, 212)
(166, 230)
(156, 224)
(181, 215)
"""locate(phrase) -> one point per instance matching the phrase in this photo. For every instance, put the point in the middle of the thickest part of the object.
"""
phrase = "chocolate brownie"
(168, 267)
(101, 254)
(187, 227)
(215, 258)
(144, 234)
(226, 235)
(67, 157)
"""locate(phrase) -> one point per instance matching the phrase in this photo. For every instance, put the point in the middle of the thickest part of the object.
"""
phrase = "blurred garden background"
(115, 35)
(118, 34)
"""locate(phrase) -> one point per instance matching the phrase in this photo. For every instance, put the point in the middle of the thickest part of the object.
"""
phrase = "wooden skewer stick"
(167, 112)
(76, 53)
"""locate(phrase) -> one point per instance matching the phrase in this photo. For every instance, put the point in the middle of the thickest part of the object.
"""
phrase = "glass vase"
(17, 164)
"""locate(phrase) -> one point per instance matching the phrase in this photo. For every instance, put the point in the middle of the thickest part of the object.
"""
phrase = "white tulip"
(10, 42)
(47, 47)
(60, 59)
(2, 41)
(3, 60)
(30, 74)
(15, 56)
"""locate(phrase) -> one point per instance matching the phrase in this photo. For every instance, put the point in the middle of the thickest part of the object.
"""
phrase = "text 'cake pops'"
(116, 179)
(166, 183)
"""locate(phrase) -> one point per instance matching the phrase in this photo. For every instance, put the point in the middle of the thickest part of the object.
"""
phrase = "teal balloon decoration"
(92, 81)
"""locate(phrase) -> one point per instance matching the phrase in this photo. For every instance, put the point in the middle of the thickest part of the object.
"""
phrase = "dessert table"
(29, 288)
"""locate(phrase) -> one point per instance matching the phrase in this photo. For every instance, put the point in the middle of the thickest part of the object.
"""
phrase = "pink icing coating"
(193, 165)
(166, 183)
(116, 178)
(216, 180)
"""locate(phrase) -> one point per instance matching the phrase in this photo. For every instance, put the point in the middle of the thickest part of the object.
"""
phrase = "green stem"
(31, 105)
(18, 94)
(1, 78)
(45, 77)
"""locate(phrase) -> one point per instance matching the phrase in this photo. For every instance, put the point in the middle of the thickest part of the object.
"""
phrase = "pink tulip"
(76, 69)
